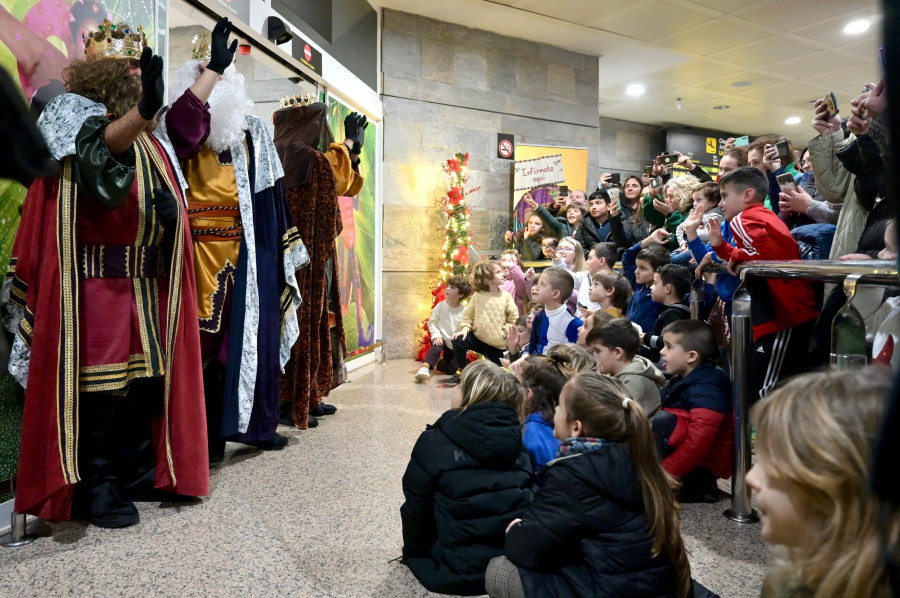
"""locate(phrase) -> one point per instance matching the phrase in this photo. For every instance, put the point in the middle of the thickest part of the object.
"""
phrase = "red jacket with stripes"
(759, 234)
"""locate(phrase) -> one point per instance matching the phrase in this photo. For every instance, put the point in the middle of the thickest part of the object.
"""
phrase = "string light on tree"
(455, 250)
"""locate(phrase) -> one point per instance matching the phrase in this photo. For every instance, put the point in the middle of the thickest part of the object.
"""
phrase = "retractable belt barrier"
(849, 274)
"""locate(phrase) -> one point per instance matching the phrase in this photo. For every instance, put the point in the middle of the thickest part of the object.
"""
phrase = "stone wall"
(628, 147)
(451, 89)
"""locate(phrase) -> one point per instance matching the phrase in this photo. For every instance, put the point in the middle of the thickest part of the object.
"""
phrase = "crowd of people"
(600, 404)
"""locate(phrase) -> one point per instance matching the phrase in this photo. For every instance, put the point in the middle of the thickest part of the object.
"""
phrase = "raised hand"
(355, 129)
(662, 207)
(795, 201)
(152, 86)
(685, 161)
(714, 231)
(825, 127)
(693, 221)
(221, 54)
(770, 158)
(530, 201)
(875, 104)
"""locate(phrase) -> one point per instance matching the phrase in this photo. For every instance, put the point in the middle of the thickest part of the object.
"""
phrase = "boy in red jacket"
(694, 426)
(784, 312)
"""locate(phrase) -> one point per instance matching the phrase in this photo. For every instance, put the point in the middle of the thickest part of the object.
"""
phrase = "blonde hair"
(483, 381)
(578, 266)
(570, 358)
(817, 435)
(545, 375)
(683, 186)
(483, 274)
(598, 401)
(513, 253)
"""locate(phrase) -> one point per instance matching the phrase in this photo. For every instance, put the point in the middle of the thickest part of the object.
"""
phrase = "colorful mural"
(356, 245)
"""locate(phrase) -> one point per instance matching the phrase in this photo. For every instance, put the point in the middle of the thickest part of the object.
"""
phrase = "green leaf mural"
(356, 245)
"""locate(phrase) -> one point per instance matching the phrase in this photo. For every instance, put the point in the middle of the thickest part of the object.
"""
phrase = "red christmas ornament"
(455, 196)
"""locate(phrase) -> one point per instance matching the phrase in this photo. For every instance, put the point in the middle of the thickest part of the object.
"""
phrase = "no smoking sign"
(506, 146)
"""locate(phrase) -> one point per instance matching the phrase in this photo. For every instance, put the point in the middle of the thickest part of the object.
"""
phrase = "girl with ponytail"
(543, 377)
(605, 521)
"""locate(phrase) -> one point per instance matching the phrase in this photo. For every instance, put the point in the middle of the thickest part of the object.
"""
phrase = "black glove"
(166, 206)
(355, 129)
(221, 54)
(151, 84)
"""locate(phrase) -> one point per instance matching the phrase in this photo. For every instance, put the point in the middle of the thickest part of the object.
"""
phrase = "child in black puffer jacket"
(604, 522)
(468, 477)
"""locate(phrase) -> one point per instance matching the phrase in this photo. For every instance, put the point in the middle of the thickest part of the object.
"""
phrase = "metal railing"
(18, 532)
(873, 272)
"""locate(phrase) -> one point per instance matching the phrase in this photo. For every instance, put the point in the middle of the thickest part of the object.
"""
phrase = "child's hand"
(714, 231)
(530, 201)
(732, 267)
(504, 362)
(614, 210)
(512, 523)
(438, 342)
(585, 312)
(530, 274)
(852, 257)
(659, 237)
(460, 334)
(508, 236)
(693, 221)
(512, 336)
(707, 260)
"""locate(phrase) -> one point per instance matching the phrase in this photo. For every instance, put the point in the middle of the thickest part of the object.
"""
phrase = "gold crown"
(115, 41)
(298, 100)
(201, 49)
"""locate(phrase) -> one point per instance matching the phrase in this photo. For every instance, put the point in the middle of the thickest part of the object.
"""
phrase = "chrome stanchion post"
(18, 532)
(697, 288)
(741, 353)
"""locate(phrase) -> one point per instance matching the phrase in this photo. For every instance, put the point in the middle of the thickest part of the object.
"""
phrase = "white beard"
(229, 104)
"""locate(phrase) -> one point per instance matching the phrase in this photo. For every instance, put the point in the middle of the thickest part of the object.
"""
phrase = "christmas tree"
(455, 251)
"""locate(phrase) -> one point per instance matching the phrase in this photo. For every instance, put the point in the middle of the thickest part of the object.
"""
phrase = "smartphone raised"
(783, 149)
(615, 178)
(668, 159)
(742, 141)
(656, 182)
(831, 106)
(563, 189)
(613, 193)
(786, 182)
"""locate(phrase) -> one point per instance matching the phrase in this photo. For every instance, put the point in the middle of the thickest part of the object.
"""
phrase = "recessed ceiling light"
(793, 120)
(635, 89)
(742, 84)
(854, 27)
(721, 107)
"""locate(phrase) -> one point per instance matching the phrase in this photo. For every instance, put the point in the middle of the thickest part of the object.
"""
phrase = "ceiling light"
(678, 105)
(721, 107)
(794, 120)
(635, 89)
(742, 84)
(854, 27)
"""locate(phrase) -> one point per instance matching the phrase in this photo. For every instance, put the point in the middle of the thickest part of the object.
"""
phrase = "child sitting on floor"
(443, 324)
(487, 319)
(611, 292)
(695, 425)
(604, 522)
(815, 442)
(543, 377)
(555, 324)
(614, 347)
(467, 478)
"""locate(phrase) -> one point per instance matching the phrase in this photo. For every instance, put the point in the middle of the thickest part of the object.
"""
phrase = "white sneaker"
(423, 374)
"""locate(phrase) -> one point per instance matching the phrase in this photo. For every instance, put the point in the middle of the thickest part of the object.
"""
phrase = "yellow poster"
(575, 168)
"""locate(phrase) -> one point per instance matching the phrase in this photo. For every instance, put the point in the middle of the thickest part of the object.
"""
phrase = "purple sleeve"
(187, 123)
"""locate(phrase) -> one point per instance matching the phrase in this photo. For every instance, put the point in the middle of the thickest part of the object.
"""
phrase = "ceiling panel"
(715, 36)
(786, 17)
(726, 6)
(831, 31)
(786, 92)
(668, 19)
(768, 50)
(819, 62)
(757, 80)
(734, 102)
(690, 73)
(846, 78)
(690, 96)
(584, 12)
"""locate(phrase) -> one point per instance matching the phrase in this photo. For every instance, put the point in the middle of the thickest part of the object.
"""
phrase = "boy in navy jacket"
(695, 426)
(639, 263)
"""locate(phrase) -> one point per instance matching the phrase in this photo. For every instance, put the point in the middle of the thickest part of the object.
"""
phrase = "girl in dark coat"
(468, 477)
(604, 522)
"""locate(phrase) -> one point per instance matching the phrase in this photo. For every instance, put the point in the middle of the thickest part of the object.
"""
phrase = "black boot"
(311, 421)
(284, 414)
(276, 443)
(213, 391)
(96, 498)
(322, 410)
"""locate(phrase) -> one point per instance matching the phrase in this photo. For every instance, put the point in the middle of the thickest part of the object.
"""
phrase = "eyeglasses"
(566, 249)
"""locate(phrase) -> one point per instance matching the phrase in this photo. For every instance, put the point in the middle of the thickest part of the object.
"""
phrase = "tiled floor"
(318, 519)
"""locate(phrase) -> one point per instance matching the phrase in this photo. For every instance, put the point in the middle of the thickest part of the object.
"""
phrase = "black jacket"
(586, 535)
(468, 477)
